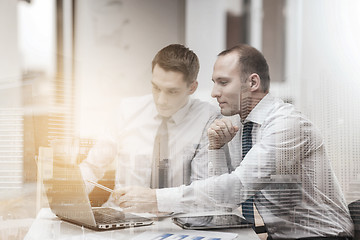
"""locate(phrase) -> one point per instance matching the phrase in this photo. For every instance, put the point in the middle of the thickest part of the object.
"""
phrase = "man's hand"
(136, 199)
(221, 131)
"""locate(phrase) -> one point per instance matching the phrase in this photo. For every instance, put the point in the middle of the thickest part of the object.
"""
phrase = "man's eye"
(173, 92)
(223, 82)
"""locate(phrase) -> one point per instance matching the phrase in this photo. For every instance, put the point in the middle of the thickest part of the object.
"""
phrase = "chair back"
(354, 209)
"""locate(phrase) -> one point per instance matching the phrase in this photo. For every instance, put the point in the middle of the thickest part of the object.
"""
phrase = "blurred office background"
(66, 64)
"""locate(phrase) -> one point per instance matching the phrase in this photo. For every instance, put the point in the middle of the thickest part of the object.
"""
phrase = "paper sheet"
(185, 235)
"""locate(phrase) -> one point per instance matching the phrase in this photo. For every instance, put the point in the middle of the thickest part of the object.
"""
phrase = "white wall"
(37, 36)
(9, 57)
(10, 74)
(205, 35)
(11, 111)
(115, 44)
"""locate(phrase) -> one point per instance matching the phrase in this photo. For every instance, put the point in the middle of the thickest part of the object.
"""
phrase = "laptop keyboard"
(108, 215)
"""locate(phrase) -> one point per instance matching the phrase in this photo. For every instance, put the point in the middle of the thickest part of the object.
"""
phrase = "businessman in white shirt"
(144, 154)
(285, 169)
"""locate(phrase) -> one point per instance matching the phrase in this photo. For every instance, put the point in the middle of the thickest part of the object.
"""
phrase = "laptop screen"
(67, 196)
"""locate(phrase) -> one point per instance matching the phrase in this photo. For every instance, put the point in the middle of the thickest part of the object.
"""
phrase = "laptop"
(69, 201)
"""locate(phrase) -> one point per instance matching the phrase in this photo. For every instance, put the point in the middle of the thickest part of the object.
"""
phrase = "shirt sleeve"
(201, 165)
(208, 194)
(94, 166)
(231, 189)
(102, 154)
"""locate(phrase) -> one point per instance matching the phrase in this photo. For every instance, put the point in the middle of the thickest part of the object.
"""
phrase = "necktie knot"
(163, 127)
(248, 126)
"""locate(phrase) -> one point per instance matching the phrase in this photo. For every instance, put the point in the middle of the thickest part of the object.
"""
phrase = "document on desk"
(186, 235)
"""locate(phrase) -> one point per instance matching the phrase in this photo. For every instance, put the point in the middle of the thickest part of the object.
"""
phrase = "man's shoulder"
(282, 113)
(290, 124)
(202, 112)
(287, 116)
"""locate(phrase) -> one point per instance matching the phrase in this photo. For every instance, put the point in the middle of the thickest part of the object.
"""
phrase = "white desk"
(48, 226)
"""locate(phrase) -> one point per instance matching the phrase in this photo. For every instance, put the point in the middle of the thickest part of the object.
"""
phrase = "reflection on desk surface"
(17, 211)
(48, 226)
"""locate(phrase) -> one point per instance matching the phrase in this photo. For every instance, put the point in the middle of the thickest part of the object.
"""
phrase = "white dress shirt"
(131, 143)
(287, 171)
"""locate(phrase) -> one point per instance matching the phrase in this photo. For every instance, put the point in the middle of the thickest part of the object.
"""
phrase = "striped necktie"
(246, 140)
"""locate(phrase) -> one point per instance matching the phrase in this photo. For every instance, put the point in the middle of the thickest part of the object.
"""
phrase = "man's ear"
(193, 87)
(254, 82)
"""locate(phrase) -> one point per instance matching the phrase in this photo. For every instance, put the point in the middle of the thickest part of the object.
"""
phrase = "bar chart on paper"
(186, 235)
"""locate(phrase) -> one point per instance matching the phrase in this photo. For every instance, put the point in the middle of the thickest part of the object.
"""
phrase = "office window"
(11, 148)
(273, 37)
(237, 23)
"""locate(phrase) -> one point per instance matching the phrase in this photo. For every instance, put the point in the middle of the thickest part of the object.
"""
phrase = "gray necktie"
(160, 165)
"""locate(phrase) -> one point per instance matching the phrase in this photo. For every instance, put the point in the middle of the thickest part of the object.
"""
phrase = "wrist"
(214, 147)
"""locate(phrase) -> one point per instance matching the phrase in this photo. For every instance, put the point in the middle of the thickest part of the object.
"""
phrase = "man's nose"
(162, 99)
(215, 93)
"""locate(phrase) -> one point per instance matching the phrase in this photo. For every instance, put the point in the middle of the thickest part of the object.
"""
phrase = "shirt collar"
(181, 113)
(261, 110)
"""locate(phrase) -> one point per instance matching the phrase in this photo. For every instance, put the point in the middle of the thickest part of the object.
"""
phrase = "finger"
(214, 126)
(119, 194)
(212, 134)
(214, 139)
(138, 204)
(150, 208)
(219, 129)
(120, 200)
(224, 127)
(218, 124)
(117, 198)
(226, 134)
(121, 191)
(125, 205)
(130, 209)
(233, 129)
(138, 208)
(236, 128)
(229, 125)
(114, 196)
(215, 135)
(135, 199)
